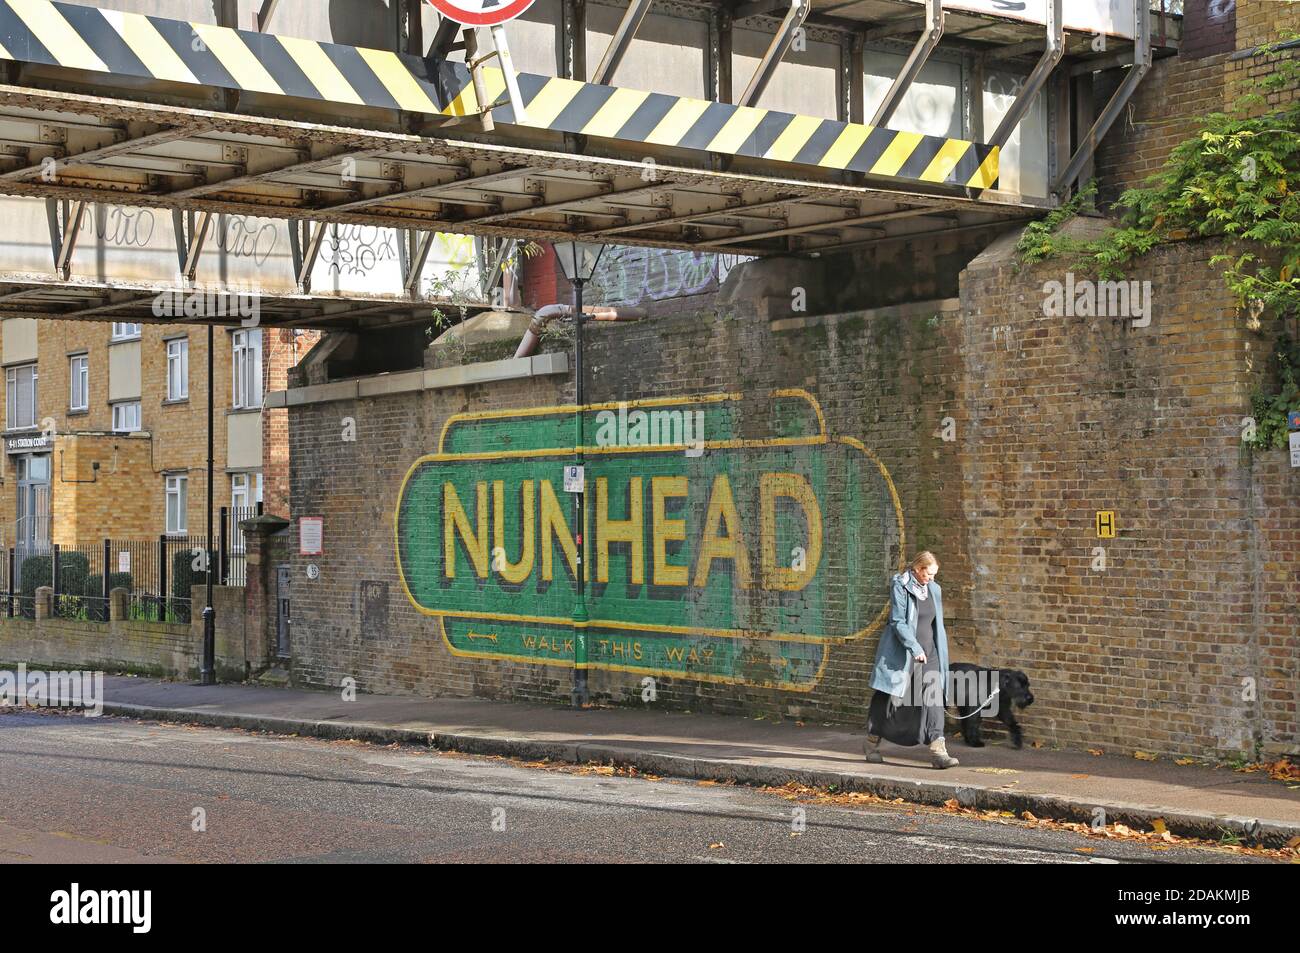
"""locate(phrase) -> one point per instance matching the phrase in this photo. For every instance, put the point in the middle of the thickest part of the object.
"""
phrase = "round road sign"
(481, 12)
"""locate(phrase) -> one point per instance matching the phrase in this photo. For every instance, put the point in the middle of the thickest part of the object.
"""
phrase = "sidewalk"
(1192, 800)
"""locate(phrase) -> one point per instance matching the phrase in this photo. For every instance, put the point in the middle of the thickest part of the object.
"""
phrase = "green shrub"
(184, 578)
(36, 571)
(96, 606)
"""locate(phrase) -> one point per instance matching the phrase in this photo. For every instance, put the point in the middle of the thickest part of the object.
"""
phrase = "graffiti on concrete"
(740, 564)
(120, 225)
(357, 249)
(247, 237)
(634, 275)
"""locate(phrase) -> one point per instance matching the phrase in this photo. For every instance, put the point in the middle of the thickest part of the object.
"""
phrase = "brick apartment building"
(105, 427)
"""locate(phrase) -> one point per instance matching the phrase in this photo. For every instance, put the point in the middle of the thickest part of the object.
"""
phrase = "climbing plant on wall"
(1236, 178)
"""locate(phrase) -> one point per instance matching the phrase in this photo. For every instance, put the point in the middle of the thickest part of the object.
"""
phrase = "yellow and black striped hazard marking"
(132, 44)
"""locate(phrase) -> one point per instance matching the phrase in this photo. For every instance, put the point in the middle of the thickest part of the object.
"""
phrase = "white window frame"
(120, 411)
(176, 487)
(11, 397)
(78, 383)
(238, 490)
(178, 354)
(125, 331)
(246, 369)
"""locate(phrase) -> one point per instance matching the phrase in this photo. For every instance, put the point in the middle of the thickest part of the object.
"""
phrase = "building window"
(126, 416)
(125, 331)
(245, 490)
(79, 378)
(178, 369)
(247, 347)
(20, 394)
(177, 498)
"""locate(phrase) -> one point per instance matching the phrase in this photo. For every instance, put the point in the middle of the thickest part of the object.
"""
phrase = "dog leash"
(995, 691)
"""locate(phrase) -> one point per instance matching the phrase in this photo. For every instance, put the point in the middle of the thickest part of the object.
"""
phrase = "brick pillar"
(259, 586)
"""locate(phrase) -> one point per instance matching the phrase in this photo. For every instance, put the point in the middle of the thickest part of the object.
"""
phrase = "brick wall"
(1209, 27)
(282, 348)
(1070, 417)
(167, 649)
(1053, 419)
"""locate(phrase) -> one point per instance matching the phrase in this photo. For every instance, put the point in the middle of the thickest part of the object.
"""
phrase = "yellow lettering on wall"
(663, 530)
(795, 487)
(555, 528)
(520, 571)
(454, 520)
(722, 509)
(630, 530)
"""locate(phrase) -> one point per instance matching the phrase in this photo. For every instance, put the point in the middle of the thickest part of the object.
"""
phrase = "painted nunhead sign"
(728, 538)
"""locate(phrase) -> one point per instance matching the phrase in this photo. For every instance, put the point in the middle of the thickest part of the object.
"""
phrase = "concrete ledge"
(915, 309)
(460, 375)
(1264, 831)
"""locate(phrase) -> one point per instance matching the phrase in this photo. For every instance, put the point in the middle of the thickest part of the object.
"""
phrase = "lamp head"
(578, 260)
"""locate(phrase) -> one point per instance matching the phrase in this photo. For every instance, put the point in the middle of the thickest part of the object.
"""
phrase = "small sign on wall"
(1295, 449)
(124, 561)
(574, 479)
(311, 535)
(1106, 524)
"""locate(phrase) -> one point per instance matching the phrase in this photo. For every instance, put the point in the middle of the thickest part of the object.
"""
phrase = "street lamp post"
(208, 670)
(578, 261)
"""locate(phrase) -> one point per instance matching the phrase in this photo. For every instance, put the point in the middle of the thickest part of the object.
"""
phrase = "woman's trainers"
(871, 749)
(939, 756)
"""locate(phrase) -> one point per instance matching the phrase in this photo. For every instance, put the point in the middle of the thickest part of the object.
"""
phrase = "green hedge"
(37, 571)
(96, 606)
(183, 578)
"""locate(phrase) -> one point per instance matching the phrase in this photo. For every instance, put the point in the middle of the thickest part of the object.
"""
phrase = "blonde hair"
(923, 558)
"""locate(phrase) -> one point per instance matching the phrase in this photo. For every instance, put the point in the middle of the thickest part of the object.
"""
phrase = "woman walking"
(907, 709)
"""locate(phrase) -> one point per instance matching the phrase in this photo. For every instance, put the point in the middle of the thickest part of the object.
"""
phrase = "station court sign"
(739, 556)
(32, 443)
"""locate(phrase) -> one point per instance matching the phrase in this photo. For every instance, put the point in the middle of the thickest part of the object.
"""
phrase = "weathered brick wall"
(1070, 416)
(282, 349)
(1053, 419)
(1209, 27)
(167, 649)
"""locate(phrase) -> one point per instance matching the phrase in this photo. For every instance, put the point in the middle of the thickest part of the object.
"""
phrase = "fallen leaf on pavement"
(1144, 756)
(1096, 752)
(717, 846)
(1027, 816)
(1080, 776)
(1085, 850)
(997, 771)
(1184, 761)
(1158, 825)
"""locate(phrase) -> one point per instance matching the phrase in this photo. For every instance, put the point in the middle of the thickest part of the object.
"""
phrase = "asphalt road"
(112, 790)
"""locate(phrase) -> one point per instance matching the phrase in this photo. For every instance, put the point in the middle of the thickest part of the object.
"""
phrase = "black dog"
(1013, 693)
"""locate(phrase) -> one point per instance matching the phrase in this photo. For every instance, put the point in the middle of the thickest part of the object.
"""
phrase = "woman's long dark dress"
(906, 721)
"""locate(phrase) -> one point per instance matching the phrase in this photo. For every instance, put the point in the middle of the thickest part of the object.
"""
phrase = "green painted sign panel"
(725, 539)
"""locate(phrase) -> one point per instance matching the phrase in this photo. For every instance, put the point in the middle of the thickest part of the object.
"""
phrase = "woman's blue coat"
(898, 645)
